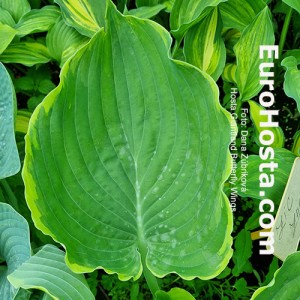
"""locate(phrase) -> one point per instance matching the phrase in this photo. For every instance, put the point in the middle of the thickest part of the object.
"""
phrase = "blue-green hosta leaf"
(284, 158)
(6, 17)
(240, 13)
(47, 271)
(285, 284)
(9, 157)
(186, 13)
(256, 117)
(26, 53)
(37, 20)
(7, 34)
(204, 46)
(63, 41)
(295, 4)
(259, 32)
(292, 79)
(119, 167)
(17, 9)
(86, 16)
(146, 12)
(14, 246)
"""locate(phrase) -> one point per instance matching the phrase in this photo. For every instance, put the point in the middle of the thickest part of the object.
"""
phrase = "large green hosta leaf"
(9, 157)
(126, 159)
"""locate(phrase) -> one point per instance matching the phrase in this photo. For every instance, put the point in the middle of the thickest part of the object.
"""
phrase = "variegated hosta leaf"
(17, 9)
(204, 46)
(6, 17)
(240, 13)
(285, 284)
(185, 13)
(146, 12)
(47, 271)
(259, 32)
(292, 79)
(119, 165)
(37, 20)
(284, 158)
(63, 41)
(7, 34)
(229, 73)
(296, 144)
(86, 16)
(295, 4)
(9, 157)
(257, 117)
(26, 53)
(14, 246)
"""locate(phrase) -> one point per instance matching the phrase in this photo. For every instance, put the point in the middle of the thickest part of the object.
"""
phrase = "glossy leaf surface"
(119, 166)
(47, 271)
(9, 157)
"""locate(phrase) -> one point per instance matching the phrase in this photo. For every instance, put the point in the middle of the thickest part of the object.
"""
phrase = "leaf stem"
(150, 278)
(13, 201)
(176, 47)
(284, 31)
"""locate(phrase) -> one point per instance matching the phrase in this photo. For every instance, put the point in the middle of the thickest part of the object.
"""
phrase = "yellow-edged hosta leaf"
(292, 79)
(119, 167)
(257, 118)
(37, 20)
(26, 53)
(258, 32)
(146, 12)
(185, 13)
(240, 13)
(16, 8)
(87, 17)
(204, 46)
(229, 73)
(63, 41)
(285, 284)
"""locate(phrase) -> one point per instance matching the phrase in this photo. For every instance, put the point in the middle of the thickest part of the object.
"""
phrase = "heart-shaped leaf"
(119, 165)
